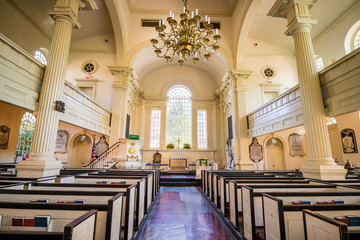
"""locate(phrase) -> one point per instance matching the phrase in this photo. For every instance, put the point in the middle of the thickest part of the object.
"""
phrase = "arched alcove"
(81, 146)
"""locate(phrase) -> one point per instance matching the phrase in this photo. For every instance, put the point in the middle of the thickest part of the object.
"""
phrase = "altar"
(178, 163)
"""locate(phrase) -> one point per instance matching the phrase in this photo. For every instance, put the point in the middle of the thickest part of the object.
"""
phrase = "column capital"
(122, 76)
(238, 78)
(297, 14)
(70, 10)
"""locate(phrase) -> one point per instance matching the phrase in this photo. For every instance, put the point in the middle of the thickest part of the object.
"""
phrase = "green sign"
(134, 137)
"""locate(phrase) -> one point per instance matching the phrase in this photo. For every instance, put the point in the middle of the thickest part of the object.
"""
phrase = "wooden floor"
(182, 213)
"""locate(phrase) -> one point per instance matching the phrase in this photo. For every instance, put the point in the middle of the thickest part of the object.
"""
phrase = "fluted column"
(120, 102)
(42, 160)
(320, 162)
(240, 127)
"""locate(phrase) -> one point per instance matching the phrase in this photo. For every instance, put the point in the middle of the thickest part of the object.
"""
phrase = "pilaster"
(42, 161)
(320, 162)
(122, 76)
(240, 121)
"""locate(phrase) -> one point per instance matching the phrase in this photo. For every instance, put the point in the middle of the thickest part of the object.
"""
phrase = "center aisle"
(182, 213)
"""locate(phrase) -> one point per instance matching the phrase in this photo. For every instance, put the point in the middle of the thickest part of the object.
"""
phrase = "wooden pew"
(133, 211)
(110, 206)
(65, 223)
(252, 201)
(318, 226)
(283, 220)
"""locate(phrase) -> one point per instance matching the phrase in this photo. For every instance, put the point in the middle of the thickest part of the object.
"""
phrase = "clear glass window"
(357, 40)
(178, 116)
(41, 57)
(319, 64)
(331, 121)
(202, 128)
(26, 132)
(155, 129)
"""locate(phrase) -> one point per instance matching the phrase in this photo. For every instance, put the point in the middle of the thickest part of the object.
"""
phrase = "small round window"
(89, 67)
(268, 72)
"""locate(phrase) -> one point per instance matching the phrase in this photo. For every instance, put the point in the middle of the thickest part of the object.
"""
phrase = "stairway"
(179, 179)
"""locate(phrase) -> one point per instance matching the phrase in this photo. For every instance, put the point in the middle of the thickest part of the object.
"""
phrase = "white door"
(274, 158)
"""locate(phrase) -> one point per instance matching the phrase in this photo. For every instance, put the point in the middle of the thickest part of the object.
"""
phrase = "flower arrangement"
(187, 146)
(170, 146)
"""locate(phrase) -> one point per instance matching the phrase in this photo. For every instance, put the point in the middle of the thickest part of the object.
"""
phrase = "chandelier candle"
(186, 40)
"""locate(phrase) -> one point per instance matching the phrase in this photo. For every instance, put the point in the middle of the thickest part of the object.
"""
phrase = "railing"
(284, 111)
(105, 158)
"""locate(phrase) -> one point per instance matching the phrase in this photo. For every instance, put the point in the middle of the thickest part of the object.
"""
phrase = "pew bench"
(65, 224)
(283, 220)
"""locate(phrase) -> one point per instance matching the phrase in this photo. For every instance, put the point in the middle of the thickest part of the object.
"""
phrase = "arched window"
(331, 121)
(40, 57)
(357, 40)
(178, 115)
(319, 63)
(25, 134)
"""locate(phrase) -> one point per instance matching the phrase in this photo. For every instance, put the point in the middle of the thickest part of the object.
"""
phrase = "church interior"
(116, 115)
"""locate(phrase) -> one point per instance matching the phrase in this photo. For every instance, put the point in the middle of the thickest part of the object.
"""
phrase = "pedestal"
(38, 168)
(324, 172)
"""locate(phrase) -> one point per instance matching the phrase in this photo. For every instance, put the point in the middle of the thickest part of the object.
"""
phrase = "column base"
(38, 168)
(245, 165)
(324, 172)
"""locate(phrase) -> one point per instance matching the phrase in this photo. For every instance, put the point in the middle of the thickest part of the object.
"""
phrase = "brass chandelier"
(186, 39)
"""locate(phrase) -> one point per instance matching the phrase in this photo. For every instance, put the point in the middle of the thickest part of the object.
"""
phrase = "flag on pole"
(93, 152)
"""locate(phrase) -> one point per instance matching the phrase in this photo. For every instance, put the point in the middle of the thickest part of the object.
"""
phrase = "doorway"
(275, 157)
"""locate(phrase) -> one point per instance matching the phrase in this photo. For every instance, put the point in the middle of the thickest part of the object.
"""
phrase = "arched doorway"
(274, 158)
(81, 151)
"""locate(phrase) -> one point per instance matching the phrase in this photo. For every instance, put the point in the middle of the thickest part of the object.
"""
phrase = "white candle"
(196, 54)
(173, 15)
(208, 20)
(180, 55)
(192, 14)
(183, 9)
(205, 18)
(170, 14)
(154, 35)
(197, 12)
(163, 21)
(159, 22)
(217, 31)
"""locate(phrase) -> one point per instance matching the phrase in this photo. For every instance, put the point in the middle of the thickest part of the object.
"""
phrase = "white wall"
(15, 26)
(330, 43)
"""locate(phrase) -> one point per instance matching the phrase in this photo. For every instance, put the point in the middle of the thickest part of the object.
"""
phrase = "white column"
(320, 164)
(240, 121)
(42, 161)
(120, 102)
(209, 124)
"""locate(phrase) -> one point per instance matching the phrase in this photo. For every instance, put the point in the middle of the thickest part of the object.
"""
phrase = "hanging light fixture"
(186, 39)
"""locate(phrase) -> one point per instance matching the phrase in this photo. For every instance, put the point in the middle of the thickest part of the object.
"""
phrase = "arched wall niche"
(80, 149)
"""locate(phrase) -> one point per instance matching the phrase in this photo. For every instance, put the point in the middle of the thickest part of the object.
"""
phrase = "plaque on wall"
(61, 139)
(101, 146)
(4, 136)
(296, 145)
(348, 141)
(256, 151)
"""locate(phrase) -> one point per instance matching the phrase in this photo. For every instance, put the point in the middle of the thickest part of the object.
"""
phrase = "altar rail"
(282, 112)
(340, 85)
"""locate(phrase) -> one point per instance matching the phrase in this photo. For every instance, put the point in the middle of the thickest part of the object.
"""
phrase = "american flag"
(93, 152)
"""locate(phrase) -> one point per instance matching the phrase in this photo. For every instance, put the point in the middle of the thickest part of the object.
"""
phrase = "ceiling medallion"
(186, 39)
